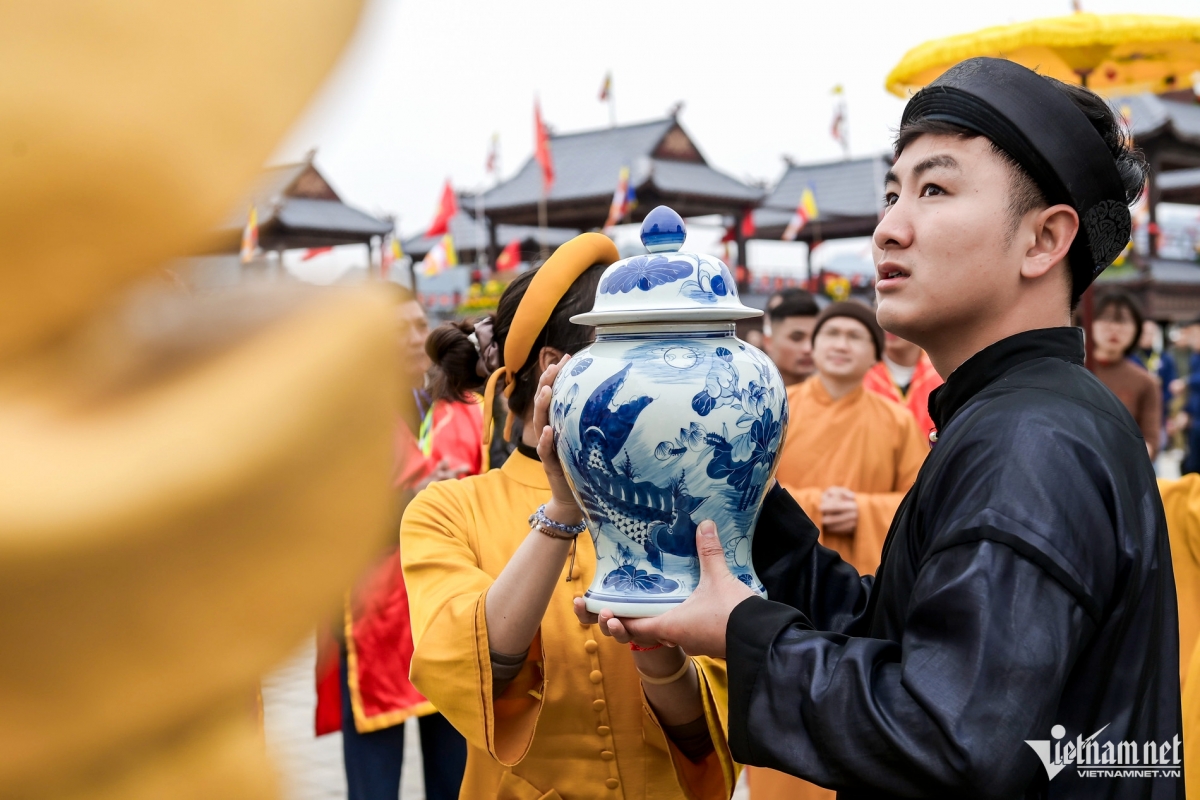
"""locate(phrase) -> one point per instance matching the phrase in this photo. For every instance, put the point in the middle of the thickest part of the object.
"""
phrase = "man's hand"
(698, 624)
(839, 511)
(1177, 386)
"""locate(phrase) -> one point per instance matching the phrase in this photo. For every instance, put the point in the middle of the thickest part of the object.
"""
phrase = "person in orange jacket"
(905, 375)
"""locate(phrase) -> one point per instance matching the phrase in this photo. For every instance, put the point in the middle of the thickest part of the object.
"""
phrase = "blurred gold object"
(128, 128)
(186, 482)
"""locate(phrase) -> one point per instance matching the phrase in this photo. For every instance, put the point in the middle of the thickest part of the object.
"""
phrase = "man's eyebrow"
(933, 162)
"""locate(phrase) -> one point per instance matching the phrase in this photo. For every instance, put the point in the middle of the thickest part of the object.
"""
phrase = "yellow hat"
(548, 286)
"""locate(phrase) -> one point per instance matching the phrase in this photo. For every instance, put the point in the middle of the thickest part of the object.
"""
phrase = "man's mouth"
(889, 272)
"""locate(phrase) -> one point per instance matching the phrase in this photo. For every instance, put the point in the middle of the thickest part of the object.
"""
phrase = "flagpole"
(480, 236)
(542, 226)
(612, 107)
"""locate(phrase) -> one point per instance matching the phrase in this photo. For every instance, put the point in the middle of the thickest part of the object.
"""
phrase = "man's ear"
(547, 356)
(1054, 229)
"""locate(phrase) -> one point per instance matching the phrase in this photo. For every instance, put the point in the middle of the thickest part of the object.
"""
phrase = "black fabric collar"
(528, 452)
(992, 362)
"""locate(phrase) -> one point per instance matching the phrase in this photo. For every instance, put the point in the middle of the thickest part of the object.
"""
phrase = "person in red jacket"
(905, 375)
(363, 688)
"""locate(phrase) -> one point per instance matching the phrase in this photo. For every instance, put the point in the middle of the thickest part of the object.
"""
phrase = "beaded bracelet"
(637, 648)
(556, 530)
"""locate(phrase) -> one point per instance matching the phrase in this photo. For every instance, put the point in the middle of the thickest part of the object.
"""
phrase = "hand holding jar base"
(562, 507)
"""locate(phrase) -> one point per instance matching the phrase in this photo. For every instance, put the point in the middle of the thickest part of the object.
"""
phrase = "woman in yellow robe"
(576, 721)
(1181, 504)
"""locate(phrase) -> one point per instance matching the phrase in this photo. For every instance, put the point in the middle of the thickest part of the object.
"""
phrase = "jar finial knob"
(663, 231)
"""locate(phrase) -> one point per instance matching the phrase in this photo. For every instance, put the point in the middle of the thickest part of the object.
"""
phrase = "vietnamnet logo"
(1111, 759)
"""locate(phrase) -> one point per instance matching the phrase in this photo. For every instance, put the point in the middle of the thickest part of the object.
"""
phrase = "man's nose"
(894, 229)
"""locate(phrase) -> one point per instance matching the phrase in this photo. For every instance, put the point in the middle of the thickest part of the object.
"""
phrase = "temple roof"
(297, 207)
(665, 166)
(848, 194)
(1152, 116)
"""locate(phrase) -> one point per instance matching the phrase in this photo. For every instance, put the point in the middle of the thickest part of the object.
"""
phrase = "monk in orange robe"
(849, 457)
(906, 375)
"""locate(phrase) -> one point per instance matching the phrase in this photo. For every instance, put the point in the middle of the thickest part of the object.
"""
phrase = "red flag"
(510, 257)
(447, 208)
(490, 167)
(542, 153)
(748, 228)
(313, 252)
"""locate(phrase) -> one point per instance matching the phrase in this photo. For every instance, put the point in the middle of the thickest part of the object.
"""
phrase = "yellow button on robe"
(869, 445)
(574, 724)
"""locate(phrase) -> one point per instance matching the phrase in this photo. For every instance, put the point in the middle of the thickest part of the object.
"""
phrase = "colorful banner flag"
(620, 201)
(250, 237)
(442, 257)
(542, 150)
(806, 211)
(447, 209)
(392, 252)
(606, 87)
(838, 129)
(493, 155)
(510, 257)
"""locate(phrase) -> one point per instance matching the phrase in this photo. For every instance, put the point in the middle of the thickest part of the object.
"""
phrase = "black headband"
(1050, 137)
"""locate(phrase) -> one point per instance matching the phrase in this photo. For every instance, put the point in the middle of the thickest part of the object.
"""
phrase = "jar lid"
(666, 285)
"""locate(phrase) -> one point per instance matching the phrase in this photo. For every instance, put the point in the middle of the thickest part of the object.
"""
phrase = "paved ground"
(311, 767)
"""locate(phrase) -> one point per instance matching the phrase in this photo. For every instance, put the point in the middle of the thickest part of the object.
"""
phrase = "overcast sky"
(426, 83)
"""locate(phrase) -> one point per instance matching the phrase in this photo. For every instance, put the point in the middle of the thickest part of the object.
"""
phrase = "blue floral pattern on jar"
(644, 493)
(646, 272)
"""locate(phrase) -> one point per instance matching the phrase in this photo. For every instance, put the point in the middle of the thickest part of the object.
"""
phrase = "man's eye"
(889, 199)
(931, 189)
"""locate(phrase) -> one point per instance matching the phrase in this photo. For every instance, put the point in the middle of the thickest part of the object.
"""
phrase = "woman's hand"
(562, 506)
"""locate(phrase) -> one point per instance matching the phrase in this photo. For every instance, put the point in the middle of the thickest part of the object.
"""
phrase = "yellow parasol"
(1111, 54)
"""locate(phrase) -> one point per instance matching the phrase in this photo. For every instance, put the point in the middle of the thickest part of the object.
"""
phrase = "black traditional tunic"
(1025, 584)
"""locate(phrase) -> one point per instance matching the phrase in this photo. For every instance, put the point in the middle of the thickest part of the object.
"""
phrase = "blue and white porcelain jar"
(665, 420)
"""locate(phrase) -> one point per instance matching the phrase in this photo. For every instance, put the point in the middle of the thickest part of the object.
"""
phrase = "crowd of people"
(947, 565)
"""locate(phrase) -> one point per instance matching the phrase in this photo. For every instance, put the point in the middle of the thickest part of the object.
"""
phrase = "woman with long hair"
(1116, 329)
(496, 571)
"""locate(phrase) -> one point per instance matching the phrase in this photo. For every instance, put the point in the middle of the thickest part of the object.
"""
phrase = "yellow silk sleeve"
(1181, 504)
(715, 777)
(451, 664)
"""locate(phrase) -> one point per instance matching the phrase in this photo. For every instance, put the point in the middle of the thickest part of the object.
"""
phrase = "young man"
(788, 337)
(1020, 637)
(906, 376)
(848, 459)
